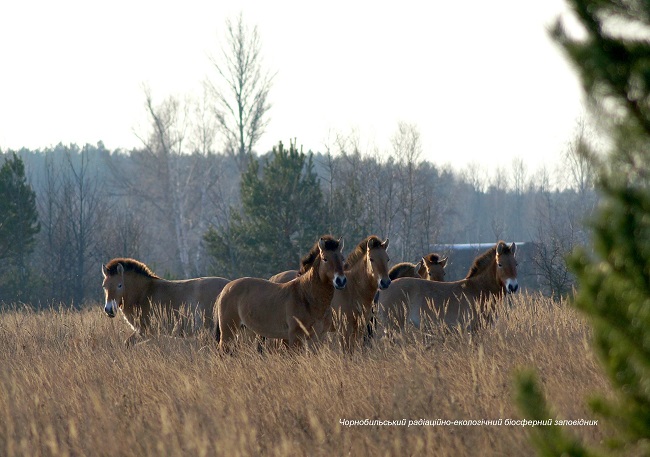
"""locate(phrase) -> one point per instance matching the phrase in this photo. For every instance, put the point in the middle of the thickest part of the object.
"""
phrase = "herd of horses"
(352, 297)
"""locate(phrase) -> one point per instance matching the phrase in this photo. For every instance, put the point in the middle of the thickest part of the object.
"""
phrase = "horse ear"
(120, 269)
(513, 248)
(500, 246)
(104, 270)
(340, 241)
(443, 262)
(321, 244)
(385, 243)
(421, 266)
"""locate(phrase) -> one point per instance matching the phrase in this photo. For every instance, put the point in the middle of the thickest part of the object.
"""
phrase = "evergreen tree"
(18, 228)
(614, 278)
(282, 213)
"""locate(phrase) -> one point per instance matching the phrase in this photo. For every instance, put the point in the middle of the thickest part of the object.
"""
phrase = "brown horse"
(292, 311)
(468, 302)
(130, 286)
(430, 267)
(366, 269)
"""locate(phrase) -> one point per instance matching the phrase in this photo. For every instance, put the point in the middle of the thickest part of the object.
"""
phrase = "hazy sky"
(482, 81)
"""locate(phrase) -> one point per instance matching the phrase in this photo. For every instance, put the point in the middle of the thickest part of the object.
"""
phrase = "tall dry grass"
(68, 386)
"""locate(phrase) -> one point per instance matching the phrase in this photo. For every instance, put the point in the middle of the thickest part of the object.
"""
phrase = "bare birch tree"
(519, 183)
(161, 180)
(407, 149)
(497, 192)
(166, 143)
(578, 161)
(241, 90)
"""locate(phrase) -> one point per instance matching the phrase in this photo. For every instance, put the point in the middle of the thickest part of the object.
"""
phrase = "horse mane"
(482, 261)
(397, 270)
(311, 259)
(432, 258)
(130, 265)
(361, 249)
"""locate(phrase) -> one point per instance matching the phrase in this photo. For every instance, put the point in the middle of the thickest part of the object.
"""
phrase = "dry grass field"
(68, 386)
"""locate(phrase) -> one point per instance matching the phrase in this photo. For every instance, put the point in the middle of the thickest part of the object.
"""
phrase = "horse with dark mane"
(130, 286)
(367, 270)
(470, 302)
(293, 311)
(430, 267)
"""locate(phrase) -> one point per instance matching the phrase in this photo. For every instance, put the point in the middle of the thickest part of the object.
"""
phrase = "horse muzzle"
(384, 283)
(340, 282)
(110, 308)
(512, 286)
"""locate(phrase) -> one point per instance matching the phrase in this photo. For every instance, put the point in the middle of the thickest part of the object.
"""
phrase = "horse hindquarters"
(228, 320)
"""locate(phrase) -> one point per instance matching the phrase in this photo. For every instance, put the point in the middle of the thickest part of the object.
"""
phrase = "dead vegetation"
(68, 386)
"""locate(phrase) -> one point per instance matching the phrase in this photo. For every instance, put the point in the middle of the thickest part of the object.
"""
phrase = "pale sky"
(481, 81)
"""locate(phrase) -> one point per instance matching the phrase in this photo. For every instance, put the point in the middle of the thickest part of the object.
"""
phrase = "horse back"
(187, 291)
(257, 295)
(284, 276)
(418, 293)
(208, 289)
(259, 304)
(403, 270)
(198, 294)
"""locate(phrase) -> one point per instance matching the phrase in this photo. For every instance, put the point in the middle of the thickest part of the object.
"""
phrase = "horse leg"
(346, 339)
(371, 325)
(359, 331)
(131, 340)
(293, 343)
(139, 330)
(297, 333)
(414, 315)
(351, 333)
(229, 322)
(314, 336)
(342, 328)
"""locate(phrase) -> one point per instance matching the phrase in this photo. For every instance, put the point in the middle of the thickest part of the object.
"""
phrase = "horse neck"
(139, 292)
(360, 277)
(317, 291)
(486, 282)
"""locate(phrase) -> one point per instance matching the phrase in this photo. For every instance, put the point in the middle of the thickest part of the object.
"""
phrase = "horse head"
(377, 261)
(331, 261)
(432, 267)
(507, 266)
(113, 286)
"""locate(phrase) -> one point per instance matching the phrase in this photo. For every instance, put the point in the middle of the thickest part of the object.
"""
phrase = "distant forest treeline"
(94, 204)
